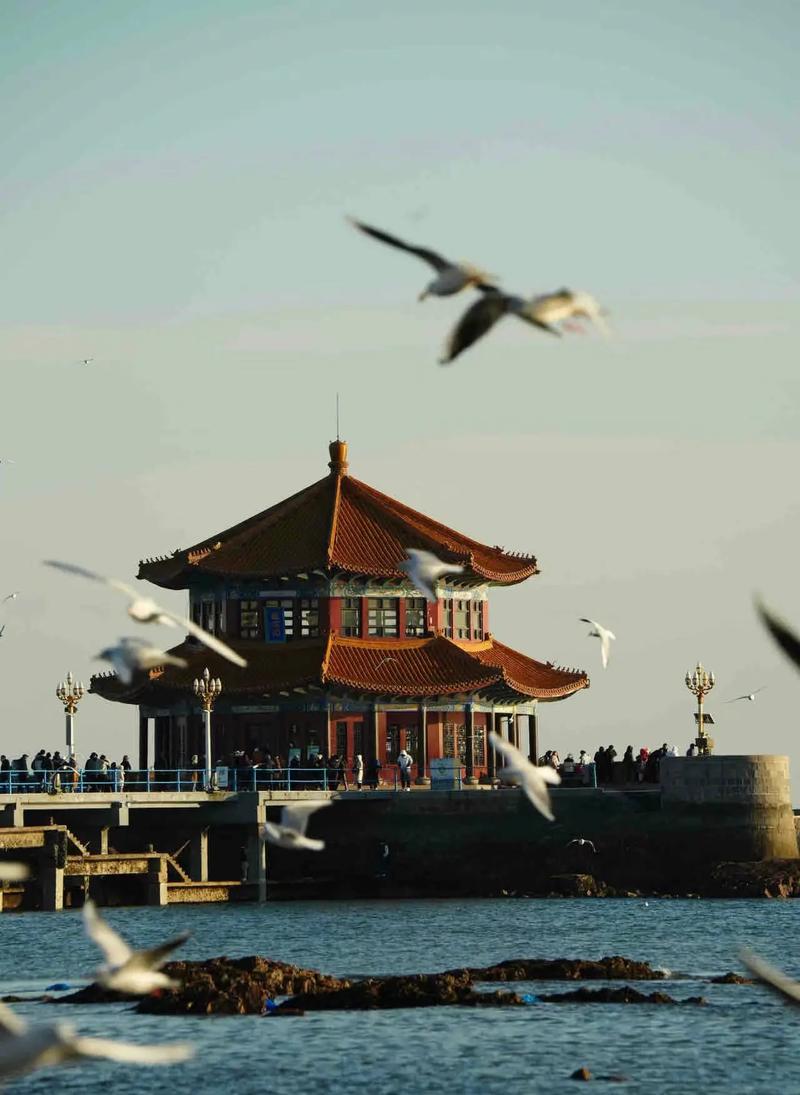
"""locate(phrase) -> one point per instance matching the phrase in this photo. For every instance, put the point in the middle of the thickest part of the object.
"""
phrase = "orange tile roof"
(420, 668)
(336, 524)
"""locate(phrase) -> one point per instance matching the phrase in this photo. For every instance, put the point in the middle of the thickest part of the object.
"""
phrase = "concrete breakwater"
(137, 848)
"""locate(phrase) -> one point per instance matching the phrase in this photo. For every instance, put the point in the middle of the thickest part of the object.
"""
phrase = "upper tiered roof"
(338, 524)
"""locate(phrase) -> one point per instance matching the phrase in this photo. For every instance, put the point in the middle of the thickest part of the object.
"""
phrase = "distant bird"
(24, 1048)
(131, 656)
(582, 843)
(291, 833)
(748, 695)
(136, 973)
(11, 596)
(2, 630)
(773, 978)
(451, 277)
(13, 872)
(481, 316)
(380, 663)
(542, 312)
(784, 636)
(425, 570)
(87, 360)
(533, 780)
(603, 634)
(146, 611)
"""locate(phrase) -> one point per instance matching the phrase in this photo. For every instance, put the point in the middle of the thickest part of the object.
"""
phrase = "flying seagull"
(131, 656)
(87, 360)
(136, 973)
(291, 833)
(425, 570)
(532, 779)
(481, 316)
(24, 1048)
(582, 842)
(603, 634)
(146, 611)
(11, 596)
(451, 277)
(787, 640)
(13, 872)
(2, 630)
(773, 978)
(748, 695)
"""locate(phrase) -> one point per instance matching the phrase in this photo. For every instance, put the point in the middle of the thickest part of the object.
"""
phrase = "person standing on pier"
(358, 770)
(404, 762)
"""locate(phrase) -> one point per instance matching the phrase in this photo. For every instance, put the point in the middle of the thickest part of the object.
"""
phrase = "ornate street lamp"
(700, 684)
(70, 692)
(207, 689)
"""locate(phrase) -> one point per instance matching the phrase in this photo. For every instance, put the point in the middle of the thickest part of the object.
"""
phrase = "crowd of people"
(55, 772)
(643, 767)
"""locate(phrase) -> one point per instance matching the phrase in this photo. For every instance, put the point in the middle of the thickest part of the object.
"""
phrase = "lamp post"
(207, 689)
(70, 692)
(700, 684)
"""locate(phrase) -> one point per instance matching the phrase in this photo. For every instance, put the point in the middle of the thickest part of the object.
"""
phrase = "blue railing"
(82, 780)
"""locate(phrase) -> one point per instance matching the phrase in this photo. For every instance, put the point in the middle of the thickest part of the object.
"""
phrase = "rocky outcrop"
(415, 991)
(769, 878)
(614, 968)
(625, 995)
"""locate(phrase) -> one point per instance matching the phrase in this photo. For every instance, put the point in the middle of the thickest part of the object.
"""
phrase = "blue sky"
(174, 183)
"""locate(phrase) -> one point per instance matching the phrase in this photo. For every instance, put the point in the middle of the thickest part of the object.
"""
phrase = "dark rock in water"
(613, 968)
(415, 991)
(581, 1074)
(768, 878)
(93, 994)
(234, 986)
(625, 995)
(731, 979)
(578, 885)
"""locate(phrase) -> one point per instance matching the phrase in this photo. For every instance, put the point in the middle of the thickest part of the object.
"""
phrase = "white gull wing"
(295, 816)
(604, 635)
(130, 1053)
(10, 1023)
(113, 946)
(772, 977)
(83, 572)
(533, 780)
(13, 872)
(211, 641)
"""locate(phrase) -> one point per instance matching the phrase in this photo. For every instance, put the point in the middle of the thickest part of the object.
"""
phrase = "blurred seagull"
(748, 695)
(13, 872)
(425, 570)
(131, 656)
(582, 842)
(451, 277)
(291, 833)
(532, 779)
(146, 611)
(481, 316)
(87, 360)
(11, 597)
(603, 634)
(2, 630)
(787, 640)
(567, 305)
(4, 461)
(24, 1048)
(773, 978)
(136, 973)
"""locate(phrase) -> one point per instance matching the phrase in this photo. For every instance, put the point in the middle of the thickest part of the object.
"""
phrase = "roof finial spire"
(337, 417)
(338, 461)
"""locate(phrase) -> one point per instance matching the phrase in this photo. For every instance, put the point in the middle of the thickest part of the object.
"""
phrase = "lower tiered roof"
(375, 669)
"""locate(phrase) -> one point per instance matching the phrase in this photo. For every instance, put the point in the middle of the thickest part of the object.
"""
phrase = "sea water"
(745, 1040)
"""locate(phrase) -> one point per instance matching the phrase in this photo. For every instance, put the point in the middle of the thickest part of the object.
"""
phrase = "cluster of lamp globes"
(207, 688)
(701, 681)
(70, 692)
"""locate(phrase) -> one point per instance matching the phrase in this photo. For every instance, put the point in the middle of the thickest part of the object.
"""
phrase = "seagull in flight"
(291, 833)
(87, 360)
(136, 973)
(24, 1048)
(11, 596)
(748, 695)
(772, 977)
(543, 312)
(603, 634)
(451, 277)
(582, 842)
(532, 779)
(131, 656)
(13, 872)
(425, 570)
(2, 630)
(784, 636)
(146, 611)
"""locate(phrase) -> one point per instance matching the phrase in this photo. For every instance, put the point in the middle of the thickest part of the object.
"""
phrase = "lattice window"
(415, 615)
(461, 620)
(449, 739)
(341, 739)
(351, 616)
(248, 619)
(478, 620)
(308, 613)
(382, 616)
(278, 620)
